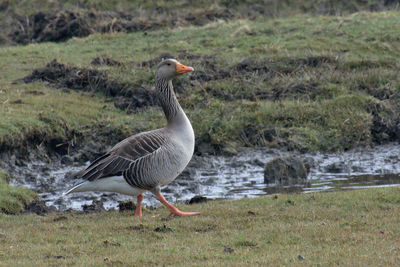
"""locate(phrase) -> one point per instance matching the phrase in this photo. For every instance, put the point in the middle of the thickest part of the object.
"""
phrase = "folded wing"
(125, 159)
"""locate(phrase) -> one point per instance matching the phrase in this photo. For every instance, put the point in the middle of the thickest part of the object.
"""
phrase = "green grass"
(329, 78)
(275, 7)
(351, 228)
(20, 20)
(13, 199)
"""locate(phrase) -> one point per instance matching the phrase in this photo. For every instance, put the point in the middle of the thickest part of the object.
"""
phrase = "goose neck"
(168, 101)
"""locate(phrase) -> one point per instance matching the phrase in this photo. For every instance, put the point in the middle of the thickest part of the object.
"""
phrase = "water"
(235, 177)
(240, 177)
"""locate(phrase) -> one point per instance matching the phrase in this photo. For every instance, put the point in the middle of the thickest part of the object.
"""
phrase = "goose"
(148, 160)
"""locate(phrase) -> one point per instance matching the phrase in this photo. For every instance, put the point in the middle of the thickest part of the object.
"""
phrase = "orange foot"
(174, 211)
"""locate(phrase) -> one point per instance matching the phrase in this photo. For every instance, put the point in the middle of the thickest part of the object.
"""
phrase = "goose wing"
(126, 157)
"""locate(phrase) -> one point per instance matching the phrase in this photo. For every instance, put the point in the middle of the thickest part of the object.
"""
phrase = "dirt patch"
(90, 147)
(18, 101)
(206, 229)
(126, 206)
(103, 60)
(163, 229)
(48, 27)
(95, 207)
(107, 243)
(312, 61)
(249, 65)
(127, 97)
(297, 91)
(210, 72)
(39, 207)
(139, 227)
(60, 218)
(197, 199)
(220, 94)
(281, 66)
(64, 76)
(229, 250)
(386, 122)
(34, 92)
(204, 16)
(252, 136)
(204, 145)
(62, 25)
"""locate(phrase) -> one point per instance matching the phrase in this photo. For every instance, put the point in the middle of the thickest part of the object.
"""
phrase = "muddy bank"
(275, 76)
(127, 96)
(62, 25)
(213, 177)
(65, 77)
(280, 80)
(57, 24)
(130, 97)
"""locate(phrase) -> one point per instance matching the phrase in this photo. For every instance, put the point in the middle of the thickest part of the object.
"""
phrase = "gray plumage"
(150, 159)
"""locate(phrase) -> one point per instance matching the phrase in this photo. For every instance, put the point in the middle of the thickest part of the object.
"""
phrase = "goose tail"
(77, 187)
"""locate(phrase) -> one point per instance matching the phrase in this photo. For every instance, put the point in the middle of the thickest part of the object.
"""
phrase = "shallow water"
(235, 177)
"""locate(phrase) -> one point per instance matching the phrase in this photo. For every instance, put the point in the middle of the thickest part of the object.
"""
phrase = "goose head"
(170, 68)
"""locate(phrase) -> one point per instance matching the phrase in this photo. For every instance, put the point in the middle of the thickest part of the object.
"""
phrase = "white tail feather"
(116, 184)
(74, 188)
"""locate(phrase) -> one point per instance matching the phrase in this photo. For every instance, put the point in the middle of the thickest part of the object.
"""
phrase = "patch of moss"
(4, 177)
(13, 199)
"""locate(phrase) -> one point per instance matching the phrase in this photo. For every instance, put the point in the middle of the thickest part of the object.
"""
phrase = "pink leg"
(138, 212)
(174, 211)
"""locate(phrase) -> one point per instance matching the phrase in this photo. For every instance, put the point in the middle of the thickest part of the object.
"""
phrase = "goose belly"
(115, 184)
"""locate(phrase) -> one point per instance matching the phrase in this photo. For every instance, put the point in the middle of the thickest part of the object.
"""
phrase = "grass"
(13, 199)
(276, 8)
(23, 22)
(329, 80)
(340, 228)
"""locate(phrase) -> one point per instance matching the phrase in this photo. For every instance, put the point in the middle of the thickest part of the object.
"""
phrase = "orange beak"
(181, 69)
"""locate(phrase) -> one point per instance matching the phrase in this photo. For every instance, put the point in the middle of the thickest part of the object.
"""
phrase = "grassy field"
(304, 82)
(351, 228)
(36, 21)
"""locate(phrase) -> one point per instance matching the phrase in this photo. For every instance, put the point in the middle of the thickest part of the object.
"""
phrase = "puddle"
(236, 177)
(343, 182)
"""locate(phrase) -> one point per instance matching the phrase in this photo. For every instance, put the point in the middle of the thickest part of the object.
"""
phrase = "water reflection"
(353, 182)
(299, 188)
